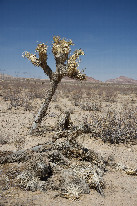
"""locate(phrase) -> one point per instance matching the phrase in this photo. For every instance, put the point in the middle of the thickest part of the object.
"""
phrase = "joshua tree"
(66, 65)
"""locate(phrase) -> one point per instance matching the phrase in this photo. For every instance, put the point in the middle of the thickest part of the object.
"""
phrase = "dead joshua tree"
(66, 65)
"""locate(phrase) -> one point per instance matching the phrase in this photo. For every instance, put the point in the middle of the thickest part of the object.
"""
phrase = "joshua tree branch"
(47, 70)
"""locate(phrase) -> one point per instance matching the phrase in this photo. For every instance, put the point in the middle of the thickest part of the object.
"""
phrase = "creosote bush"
(114, 127)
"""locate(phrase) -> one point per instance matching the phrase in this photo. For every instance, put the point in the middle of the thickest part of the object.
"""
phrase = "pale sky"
(105, 29)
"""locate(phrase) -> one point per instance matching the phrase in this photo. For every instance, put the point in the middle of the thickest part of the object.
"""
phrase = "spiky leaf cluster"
(61, 48)
(66, 65)
(42, 51)
(32, 57)
(73, 65)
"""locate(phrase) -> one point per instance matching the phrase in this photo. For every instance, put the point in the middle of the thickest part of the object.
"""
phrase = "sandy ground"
(120, 188)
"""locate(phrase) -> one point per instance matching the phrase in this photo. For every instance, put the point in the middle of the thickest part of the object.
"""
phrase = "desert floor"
(106, 108)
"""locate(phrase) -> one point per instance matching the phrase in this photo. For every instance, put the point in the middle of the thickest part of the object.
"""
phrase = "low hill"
(91, 79)
(122, 80)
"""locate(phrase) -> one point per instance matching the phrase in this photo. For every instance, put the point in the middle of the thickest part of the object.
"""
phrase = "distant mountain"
(118, 80)
(122, 80)
(91, 79)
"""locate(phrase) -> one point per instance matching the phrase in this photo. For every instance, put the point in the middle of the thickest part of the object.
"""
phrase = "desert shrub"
(115, 128)
(91, 106)
(4, 140)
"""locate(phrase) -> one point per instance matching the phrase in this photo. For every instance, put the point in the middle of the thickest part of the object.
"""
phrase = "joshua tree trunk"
(42, 111)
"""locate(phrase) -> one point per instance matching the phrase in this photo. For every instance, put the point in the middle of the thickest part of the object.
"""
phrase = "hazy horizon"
(106, 31)
(4, 76)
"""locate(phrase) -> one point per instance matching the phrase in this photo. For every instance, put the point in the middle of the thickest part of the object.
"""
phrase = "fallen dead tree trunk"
(64, 166)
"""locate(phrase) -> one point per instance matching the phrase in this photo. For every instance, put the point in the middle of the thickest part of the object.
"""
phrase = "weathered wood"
(56, 166)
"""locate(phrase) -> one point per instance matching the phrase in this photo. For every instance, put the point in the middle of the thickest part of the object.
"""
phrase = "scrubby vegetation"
(108, 111)
(101, 111)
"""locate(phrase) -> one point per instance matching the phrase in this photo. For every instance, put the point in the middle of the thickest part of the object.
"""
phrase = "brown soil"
(15, 122)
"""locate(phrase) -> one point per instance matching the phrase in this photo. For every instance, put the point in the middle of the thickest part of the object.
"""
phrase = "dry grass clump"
(4, 140)
(89, 106)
